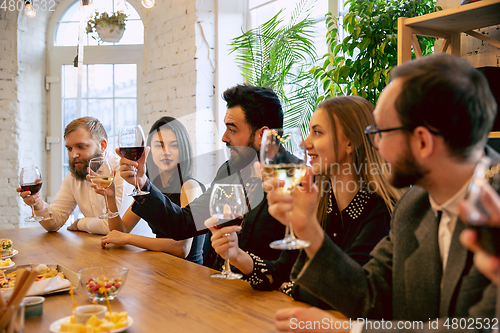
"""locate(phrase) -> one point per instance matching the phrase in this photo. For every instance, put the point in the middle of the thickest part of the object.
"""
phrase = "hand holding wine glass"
(283, 157)
(228, 204)
(131, 144)
(101, 174)
(481, 211)
(31, 180)
(224, 239)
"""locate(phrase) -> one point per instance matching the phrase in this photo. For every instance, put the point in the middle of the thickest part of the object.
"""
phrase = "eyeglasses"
(373, 133)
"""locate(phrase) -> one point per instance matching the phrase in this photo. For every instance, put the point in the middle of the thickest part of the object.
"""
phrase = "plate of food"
(7, 249)
(14, 252)
(7, 263)
(52, 279)
(122, 322)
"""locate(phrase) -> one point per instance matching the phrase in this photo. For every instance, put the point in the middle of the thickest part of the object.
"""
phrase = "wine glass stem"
(227, 266)
(497, 312)
(106, 201)
(289, 228)
(291, 233)
(33, 211)
(135, 180)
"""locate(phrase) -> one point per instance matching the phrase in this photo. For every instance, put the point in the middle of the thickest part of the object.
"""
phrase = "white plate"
(6, 267)
(54, 327)
(11, 255)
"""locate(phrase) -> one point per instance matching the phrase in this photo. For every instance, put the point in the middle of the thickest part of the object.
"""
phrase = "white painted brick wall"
(22, 106)
(8, 113)
(179, 71)
(178, 68)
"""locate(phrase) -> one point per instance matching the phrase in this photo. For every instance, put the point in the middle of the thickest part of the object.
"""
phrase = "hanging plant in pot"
(110, 28)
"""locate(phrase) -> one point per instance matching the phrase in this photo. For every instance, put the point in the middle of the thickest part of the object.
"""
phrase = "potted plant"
(360, 63)
(110, 28)
(279, 55)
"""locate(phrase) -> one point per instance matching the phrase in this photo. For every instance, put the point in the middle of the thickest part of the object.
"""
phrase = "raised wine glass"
(101, 174)
(486, 179)
(228, 203)
(31, 180)
(131, 143)
(283, 156)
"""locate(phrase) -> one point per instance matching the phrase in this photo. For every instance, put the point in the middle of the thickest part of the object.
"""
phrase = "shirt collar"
(451, 206)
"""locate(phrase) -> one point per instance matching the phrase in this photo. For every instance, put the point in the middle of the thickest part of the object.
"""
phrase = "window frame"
(57, 56)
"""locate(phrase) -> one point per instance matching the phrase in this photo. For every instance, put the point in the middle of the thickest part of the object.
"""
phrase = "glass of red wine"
(228, 203)
(31, 180)
(131, 143)
(483, 188)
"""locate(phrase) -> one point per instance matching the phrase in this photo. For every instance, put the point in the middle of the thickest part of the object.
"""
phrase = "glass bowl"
(95, 280)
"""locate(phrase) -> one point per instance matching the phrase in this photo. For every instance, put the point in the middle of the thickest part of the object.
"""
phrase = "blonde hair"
(354, 114)
(91, 124)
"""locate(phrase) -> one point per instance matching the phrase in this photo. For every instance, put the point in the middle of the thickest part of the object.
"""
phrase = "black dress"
(197, 247)
(356, 230)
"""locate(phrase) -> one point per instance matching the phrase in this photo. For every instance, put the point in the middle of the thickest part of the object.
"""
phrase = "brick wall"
(8, 119)
(178, 80)
(179, 72)
(22, 106)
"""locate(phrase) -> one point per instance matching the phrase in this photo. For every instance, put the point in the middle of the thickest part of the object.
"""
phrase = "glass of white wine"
(101, 174)
(283, 156)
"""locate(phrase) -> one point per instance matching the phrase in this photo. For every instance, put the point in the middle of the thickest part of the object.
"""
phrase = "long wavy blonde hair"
(353, 114)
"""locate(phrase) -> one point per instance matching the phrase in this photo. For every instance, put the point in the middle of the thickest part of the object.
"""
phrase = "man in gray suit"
(432, 120)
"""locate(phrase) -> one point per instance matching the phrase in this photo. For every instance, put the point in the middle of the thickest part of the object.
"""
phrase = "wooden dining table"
(162, 293)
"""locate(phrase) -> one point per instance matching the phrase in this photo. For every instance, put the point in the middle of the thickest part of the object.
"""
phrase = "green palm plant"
(279, 56)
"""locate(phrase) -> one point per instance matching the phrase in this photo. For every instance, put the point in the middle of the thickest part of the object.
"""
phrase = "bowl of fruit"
(103, 282)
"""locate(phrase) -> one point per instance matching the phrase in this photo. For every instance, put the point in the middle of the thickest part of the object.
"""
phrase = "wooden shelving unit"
(448, 24)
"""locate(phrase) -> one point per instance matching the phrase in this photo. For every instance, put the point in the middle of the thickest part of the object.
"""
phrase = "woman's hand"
(297, 207)
(296, 319)
(225, 240)
(115, 237)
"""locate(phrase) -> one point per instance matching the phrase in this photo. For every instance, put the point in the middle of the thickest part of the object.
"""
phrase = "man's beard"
(244, 154)
(80, 172)
(406, 171)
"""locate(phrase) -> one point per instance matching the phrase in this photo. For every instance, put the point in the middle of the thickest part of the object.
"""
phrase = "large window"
(109, 93)
(109, 79)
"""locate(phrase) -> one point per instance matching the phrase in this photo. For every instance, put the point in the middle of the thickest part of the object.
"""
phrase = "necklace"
(329, 209)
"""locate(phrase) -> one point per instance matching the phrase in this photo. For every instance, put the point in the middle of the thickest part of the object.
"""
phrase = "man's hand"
(130, 169)
(296, 319)
(486, 263)
(110, 191)
(225, 240)
(31, 200)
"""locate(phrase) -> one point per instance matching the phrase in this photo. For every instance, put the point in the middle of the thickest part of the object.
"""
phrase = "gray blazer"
(402, 280)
